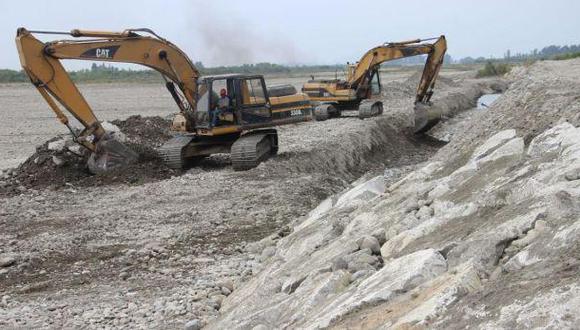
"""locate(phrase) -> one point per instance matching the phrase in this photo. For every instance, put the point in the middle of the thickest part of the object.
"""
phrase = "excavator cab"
(248, 98)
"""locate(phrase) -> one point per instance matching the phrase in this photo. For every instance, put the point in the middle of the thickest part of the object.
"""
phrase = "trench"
(304, 179)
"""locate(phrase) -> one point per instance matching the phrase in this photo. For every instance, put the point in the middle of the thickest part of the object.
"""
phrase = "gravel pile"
(60, 163)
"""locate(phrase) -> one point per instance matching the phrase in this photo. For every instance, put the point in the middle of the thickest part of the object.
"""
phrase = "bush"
(490, 69)
(9, 76)
(567, 56)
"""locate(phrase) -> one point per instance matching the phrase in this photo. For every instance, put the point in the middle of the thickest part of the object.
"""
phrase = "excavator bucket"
(426, 116)
(110, 155)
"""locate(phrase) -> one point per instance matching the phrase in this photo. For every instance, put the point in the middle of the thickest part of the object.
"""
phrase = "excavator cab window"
(376, 84)
(202, 113)
(226, 114)
(253, 99)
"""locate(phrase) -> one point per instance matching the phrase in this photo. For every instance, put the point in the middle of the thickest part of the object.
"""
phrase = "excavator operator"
(223, 106)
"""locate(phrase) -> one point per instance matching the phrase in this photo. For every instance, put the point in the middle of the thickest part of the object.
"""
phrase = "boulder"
(114, 131)
(492, 143)
(60, 144)
(193, 325)
(555, 140)
(7, 260)
(371, 243)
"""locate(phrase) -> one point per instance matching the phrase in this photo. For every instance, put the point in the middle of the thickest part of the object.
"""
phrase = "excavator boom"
(41, 62)
(369, 63)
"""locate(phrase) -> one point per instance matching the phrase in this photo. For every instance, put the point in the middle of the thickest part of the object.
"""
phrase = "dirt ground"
(157, 253)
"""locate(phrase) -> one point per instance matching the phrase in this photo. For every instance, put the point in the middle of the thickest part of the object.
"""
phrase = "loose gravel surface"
(159, 252)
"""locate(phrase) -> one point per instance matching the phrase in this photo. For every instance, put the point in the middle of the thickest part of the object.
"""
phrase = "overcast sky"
(305, 32)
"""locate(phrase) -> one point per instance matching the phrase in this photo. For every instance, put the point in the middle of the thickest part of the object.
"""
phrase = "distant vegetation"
(493, 66)
(107, 73)
(490, 69)
(9, 76)
(552, 52)
(568, 56)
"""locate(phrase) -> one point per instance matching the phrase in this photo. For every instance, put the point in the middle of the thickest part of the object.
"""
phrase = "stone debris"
(494, 212)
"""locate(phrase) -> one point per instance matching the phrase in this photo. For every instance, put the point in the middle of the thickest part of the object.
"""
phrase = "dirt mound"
(60, 163)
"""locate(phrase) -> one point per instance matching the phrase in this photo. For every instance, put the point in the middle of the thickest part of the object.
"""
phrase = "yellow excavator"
(362, 85)
(244, 126)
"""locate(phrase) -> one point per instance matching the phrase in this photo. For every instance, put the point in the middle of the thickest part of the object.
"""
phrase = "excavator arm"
(359, 77)
(41, 62)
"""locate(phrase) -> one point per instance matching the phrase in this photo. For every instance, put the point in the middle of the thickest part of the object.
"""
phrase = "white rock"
(260, 327)
(425, 212)
(57, 145)
(521, 260)
(493, 142)
(554, 140)
(58, 161)
(397, 276)
(268, 252)
(440, 293)
(364, 191)
(7, 260)
(76, 148)
(193, 325)
(114, 131)
(513, 149)
(369, 242)
(380, 235)
(440, 189)
(229, 284)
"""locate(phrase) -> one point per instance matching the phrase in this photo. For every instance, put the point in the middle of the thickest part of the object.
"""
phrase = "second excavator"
(362, 85)
(243, 125)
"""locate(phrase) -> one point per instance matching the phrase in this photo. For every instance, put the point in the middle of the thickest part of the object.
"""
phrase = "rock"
(76, 148)
(260, 327)
(124, 275)
(193, 325)
(439, 190)
(292, 284)
(58, 161)
(380, 236)
(59, 144)
(425, 212)
(339, 263)
(493, 143)
(228, 284)
(268, 252)
(398, 276)
(412, 205)
(521, 260)
(225, 291)
(361, 274)
(197, 296)
(361, 260)
(216, 301)
(114, 131)
(554, 140)
(512, 149)
(572, 175)
(357, 266)
(363, 192)
(369, 242)
(7, 260)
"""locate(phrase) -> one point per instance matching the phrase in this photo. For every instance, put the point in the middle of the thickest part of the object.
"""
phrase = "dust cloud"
(229, 39)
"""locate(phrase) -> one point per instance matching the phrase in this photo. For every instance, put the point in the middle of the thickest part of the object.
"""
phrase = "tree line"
(107, 73)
